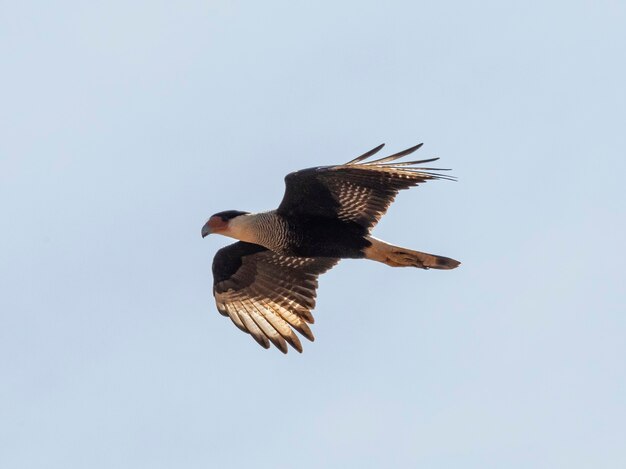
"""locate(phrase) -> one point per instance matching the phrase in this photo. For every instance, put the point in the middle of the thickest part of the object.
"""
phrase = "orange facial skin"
(214, 225)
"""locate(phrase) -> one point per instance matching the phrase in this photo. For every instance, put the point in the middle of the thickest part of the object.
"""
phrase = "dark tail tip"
(445, 263)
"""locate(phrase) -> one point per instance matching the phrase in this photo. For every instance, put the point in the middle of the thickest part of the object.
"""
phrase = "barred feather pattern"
(270, 230)
(359, 191)
(270, 296)
(364, 189)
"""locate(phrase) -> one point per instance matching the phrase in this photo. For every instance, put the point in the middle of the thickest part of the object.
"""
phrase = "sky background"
(124, 125)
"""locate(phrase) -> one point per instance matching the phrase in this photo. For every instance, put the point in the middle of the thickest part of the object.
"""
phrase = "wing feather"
(256, 313)
(252, 327)
(367, 154)
(395, 156)
(266, 294)
(359, 191)
(234, 316)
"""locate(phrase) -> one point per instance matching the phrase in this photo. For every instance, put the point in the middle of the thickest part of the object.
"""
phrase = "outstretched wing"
(266, 294)
(359, 191)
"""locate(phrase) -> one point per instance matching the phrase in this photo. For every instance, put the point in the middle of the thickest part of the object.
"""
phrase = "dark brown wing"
(266, 294)
(358, 191)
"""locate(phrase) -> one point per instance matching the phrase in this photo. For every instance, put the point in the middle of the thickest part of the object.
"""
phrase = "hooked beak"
(206, 229)
(214, 225)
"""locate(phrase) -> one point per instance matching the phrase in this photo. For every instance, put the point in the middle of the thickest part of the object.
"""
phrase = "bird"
(267, 281)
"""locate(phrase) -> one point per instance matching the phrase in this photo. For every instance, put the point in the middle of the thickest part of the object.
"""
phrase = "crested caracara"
(266, 282)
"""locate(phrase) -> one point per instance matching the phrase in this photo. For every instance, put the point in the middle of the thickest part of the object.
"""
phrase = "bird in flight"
(266, 282)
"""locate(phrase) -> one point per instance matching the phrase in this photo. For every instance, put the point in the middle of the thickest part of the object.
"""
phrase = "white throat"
(243, 228)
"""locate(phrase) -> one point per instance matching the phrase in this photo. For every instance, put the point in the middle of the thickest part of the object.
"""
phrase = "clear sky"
(124, 125)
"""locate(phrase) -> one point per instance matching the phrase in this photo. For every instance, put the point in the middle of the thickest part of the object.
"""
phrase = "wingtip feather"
(396, 156)
(367, 154)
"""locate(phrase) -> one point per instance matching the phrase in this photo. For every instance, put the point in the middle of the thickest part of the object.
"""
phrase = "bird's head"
(219, 223)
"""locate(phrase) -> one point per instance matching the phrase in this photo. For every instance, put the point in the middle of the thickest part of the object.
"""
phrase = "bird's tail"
(396, 256)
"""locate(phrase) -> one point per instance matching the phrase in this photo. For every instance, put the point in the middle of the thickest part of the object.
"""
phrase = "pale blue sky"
(124, 125)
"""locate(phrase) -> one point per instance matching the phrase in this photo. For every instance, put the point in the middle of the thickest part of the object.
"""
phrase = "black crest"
(229, 214)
